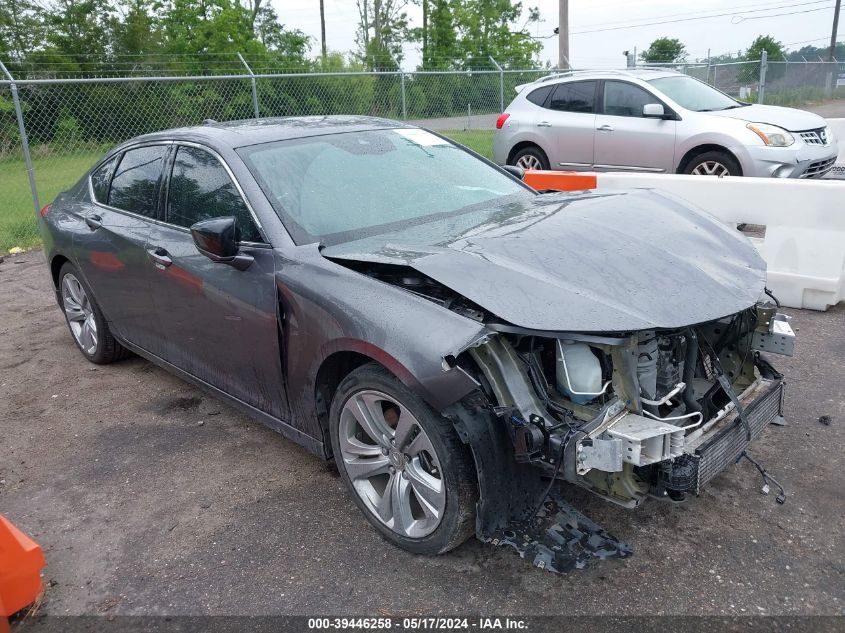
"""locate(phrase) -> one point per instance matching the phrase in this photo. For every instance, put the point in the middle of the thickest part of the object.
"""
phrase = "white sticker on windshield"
(422, 137)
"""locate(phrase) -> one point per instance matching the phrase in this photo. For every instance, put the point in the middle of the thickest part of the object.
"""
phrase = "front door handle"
(160, 257)
(605, 128)
(93, 221)
(544, 124)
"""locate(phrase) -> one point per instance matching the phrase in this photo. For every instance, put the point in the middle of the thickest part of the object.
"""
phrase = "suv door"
(219, 323)
(569, 114)
(625, 140)
(112, 254)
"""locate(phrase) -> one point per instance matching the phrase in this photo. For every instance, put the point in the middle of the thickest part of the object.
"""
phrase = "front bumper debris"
(560, 539)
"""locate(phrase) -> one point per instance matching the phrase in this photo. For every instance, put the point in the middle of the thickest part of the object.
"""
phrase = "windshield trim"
(302, 237)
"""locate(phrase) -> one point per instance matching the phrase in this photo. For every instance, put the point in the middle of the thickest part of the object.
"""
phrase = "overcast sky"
(807, 22)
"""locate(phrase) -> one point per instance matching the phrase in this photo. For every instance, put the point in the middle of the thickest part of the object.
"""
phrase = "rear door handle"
(544, 124)
(93, 221)
(160, 257)
(605, 128)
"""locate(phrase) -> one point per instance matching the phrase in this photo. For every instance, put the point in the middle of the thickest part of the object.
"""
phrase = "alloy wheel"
(529, 161)
(711, 168)
(80, 314)
(392, 463)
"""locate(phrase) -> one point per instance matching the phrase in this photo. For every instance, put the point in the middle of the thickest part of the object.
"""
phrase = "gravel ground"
(150, 497)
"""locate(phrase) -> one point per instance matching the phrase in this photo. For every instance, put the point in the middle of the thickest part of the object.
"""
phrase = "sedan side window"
(101, 179)
(624, 99)
(200, 189)
(135, 184)
(574, 96)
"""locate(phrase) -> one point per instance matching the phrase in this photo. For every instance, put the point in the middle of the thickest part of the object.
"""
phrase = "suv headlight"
(772, 135)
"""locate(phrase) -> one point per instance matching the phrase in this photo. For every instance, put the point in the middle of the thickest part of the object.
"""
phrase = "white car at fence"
(657, 121)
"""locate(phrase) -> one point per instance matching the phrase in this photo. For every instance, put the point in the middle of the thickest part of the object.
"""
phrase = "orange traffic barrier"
(21, 562)
(559, 180)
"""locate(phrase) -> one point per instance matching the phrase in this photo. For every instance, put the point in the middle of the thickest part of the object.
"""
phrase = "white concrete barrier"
(804, 242)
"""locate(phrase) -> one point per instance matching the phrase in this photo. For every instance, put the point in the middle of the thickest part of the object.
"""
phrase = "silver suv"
(657, 121)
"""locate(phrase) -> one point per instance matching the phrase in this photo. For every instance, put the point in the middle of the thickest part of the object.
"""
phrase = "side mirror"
(218, 239)
(513, 170)
(654, 111)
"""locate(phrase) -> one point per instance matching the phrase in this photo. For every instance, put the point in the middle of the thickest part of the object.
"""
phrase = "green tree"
(382, 28)
(775, 50)
(21, 29)
(489, 28)
(81, 31)
(664, 50)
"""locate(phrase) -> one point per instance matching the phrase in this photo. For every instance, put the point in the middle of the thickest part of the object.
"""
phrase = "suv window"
(574, 96)
(200, 189)
(135, 184)
(101, 179)
(624, 99)
(539, 96)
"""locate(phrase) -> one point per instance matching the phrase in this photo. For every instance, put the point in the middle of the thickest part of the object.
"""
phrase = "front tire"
(713, 163)
(85, 320)
(402, 462)
(530, 158)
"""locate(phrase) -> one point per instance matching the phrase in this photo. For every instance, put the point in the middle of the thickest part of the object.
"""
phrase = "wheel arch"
(518, 147)
(339, 363)
(702, 149)
(56, 264)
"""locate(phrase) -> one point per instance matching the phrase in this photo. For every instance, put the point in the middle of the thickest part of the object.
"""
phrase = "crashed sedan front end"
(622, 347)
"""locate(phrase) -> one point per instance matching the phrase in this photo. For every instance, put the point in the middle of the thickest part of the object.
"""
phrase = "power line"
(719, 15)
(740, 18)
(697, 14)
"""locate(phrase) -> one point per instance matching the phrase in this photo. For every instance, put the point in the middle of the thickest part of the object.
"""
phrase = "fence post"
(761, 91)
(404, 104)
(501, 84)
(254, 87)
(24, 140)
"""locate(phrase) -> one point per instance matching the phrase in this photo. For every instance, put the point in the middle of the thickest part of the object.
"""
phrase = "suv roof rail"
(631, 72)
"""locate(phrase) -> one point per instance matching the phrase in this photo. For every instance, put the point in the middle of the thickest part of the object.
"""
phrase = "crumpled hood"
(787, 118)
(588, 262)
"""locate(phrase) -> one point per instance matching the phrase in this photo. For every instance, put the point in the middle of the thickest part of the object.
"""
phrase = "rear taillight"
(500, 122)
(45, 210)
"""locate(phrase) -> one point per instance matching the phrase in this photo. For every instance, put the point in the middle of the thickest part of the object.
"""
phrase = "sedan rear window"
(340, 187)
(135, 184)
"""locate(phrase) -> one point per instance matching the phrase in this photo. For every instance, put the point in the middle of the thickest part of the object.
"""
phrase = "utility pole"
(425, 33)
(563, 36)
(323, 27)
(835, 27)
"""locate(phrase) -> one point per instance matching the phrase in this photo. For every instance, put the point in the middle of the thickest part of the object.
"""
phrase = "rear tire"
(713, 163)
(85, 320)
(402, 462)
(530, 158)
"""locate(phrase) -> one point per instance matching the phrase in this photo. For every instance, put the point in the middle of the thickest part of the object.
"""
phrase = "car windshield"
(341, 187)
(693, 94)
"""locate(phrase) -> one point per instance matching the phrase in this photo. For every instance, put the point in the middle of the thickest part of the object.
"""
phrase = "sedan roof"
(232, 134)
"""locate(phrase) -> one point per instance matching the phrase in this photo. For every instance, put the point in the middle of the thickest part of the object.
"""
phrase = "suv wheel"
(404, 464)
(713, 164)
(531, 158)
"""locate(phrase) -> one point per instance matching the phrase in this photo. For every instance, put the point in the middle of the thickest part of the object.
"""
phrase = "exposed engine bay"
(628, 415)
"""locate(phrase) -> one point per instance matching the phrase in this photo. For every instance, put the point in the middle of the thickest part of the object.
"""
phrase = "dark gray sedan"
(455, 340)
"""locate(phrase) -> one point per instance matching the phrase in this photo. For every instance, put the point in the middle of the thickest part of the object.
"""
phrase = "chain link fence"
(71, 122)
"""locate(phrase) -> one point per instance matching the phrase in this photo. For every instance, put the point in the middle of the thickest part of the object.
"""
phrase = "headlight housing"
(772, 135)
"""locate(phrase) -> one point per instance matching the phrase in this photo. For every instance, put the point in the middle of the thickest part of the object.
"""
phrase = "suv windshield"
(693, 94)
(340, 187)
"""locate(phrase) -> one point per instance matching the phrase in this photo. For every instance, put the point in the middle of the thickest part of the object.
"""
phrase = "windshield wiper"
(738, 105)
